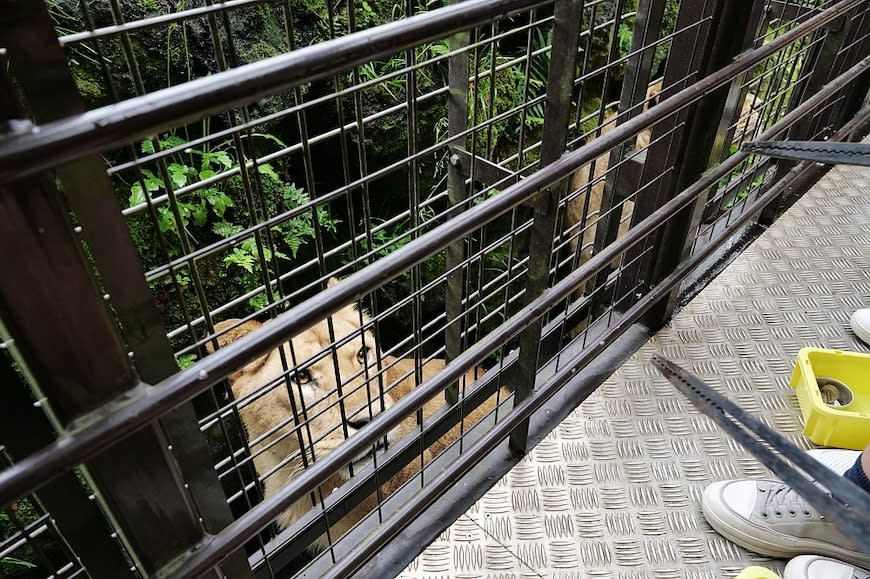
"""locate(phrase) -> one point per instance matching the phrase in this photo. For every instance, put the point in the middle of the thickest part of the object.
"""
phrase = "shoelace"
(780, 499)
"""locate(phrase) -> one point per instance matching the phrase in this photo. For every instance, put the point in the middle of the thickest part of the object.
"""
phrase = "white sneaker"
(769, 518)
(860, 323)
(838, 460)
(815, 567)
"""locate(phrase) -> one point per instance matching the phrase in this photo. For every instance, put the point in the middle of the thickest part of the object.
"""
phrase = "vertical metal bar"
(24, 429)
(560, 83)
(673, 159)
(856, 93)
(40, 68)
(720, 47)
(457, 122)
(647, 25)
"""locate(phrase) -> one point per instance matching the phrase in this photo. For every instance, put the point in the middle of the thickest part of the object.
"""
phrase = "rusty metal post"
(457, 122)
(560, 88)
(678, 160)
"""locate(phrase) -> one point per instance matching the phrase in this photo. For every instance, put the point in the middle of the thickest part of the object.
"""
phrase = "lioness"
(267, 410)
(746, 127)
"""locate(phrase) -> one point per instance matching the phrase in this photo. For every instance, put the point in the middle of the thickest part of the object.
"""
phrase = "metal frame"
(133, 420)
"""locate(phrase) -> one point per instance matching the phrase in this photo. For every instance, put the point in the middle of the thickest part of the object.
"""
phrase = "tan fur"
(263, 409)
(576, 207)
(747, 124)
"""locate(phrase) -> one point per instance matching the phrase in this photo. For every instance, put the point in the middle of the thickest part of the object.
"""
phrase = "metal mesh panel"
(242, 212)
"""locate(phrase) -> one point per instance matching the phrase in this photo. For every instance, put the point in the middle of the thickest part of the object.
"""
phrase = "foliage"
(427, 77)
(499, 89)
(669, 22)
(209, 203)
(23, 562)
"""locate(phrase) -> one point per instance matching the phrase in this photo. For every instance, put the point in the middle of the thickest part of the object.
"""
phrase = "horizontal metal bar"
(262, 514)
(132, 415)
(53, 144)
(145, 23)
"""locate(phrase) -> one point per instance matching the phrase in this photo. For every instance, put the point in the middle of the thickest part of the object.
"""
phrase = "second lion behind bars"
(276, 424)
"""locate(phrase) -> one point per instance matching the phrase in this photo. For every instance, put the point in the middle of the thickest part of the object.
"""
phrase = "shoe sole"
(784, 547)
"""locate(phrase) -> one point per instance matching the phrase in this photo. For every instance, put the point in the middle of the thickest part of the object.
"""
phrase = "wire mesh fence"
(355, 229)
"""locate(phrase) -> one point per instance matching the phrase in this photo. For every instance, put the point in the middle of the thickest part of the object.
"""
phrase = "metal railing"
(132, 228)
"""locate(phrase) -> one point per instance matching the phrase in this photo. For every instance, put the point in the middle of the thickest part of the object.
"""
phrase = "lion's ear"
(333, 281)
(231, 330)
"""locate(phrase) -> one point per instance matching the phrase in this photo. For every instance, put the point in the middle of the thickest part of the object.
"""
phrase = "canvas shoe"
(860, 323)
(769, 518)
(815, 567)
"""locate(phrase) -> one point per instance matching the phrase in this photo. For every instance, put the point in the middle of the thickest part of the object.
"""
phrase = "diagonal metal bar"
(818, 151)
(840, 500)
(148, 114)
(134, 414)
(457, 124)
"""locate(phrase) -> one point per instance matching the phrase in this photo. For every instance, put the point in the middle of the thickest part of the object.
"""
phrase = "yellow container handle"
(756, 572)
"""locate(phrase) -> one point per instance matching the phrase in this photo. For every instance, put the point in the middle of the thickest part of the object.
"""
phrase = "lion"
(745, 128)
(267, 410)
(578, 206)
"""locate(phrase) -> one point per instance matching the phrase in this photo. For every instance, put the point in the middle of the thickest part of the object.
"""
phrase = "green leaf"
(186, 361)
(137, 196)
(294, 196)
(226, 229)
(165, 220)
(241, 258)
(147, 147)
(219, 201)
(223, 158)
(186, 210)
(170, 141)
(206, 174)
(152, 181)
(17, 562)
(200, 214)
(178, 174)
(266, 169)
(259, 301)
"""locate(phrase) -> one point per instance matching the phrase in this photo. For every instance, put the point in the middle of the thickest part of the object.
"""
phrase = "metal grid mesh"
(615, 490)
(32, 542)
(239, 215)
(276, 218)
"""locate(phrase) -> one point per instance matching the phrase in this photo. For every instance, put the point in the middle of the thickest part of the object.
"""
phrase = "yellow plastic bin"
(844, 426)
(756, 572)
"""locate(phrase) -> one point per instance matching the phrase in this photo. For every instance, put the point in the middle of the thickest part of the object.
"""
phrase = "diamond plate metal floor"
(614, 491)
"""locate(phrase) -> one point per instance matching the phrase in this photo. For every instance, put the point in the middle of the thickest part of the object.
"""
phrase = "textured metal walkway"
(615, 490)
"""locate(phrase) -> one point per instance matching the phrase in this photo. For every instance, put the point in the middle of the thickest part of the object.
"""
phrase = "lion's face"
(332, 391)
(336, 387)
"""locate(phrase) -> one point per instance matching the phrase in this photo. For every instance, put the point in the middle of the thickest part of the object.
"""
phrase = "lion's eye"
(363, 354)
(302, 376)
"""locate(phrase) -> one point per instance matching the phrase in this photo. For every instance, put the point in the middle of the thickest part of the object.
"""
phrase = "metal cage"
(278, 275)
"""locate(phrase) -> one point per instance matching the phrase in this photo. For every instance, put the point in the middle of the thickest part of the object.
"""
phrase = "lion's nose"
(358, 422)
